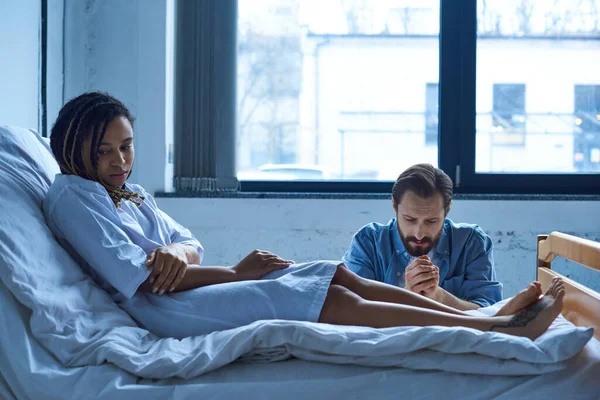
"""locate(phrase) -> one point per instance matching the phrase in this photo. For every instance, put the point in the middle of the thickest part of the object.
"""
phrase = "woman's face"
(116, 153)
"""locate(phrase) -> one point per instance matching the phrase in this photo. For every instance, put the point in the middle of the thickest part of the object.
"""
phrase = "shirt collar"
(396, 241)
(442, 247)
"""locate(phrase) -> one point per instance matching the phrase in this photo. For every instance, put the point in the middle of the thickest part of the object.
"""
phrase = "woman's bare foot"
(535, 319)
(524, 298)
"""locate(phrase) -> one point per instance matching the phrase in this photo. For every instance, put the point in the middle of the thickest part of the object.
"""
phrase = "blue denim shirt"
(463, 255)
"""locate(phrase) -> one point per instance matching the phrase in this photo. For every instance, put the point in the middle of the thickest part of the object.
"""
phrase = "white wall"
(309, 229)
(55, 51)
(19, 68)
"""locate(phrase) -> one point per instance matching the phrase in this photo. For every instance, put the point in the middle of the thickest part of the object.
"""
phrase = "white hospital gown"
(112, 245)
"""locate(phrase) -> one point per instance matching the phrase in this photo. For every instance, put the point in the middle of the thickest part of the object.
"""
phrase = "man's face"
(420, 222)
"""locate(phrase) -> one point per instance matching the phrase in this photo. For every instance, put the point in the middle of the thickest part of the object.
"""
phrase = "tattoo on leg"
(524, 317)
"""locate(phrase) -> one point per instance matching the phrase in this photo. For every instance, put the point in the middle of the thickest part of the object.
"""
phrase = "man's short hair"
(424, 180)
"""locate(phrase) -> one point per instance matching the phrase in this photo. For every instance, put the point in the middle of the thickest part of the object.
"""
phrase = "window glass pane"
(587, 127)
(336, 89)
(431, 114)
(508, 114)
(538, 96)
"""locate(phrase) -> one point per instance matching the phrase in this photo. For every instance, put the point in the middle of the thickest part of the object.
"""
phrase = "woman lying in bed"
(150, 264)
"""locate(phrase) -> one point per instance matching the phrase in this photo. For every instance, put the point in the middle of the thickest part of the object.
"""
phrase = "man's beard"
(415, 250)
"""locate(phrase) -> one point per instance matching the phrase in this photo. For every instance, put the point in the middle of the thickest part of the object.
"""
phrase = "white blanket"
(80, 325)
(32, 373)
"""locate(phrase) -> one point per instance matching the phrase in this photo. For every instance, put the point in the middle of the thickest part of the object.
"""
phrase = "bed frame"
(581, 304)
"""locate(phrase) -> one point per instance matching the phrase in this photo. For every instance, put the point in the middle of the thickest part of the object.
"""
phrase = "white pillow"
(33, 265)
(26, 157)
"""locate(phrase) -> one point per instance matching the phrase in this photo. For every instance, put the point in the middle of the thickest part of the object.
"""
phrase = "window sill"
(371, 196)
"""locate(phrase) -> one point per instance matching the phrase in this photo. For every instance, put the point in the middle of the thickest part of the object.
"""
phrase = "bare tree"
(490, 21)
(588, 16)
(563, 18)
(558, 19)
(270, 71)
(356, 16)
(524, 14)
(406, 20)
(581, 16)
(595, 15)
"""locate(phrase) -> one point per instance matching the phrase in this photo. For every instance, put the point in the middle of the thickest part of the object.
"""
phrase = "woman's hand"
(168, 267)
(259, 263)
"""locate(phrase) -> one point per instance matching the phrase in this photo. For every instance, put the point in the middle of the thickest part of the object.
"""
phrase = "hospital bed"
(61, 337)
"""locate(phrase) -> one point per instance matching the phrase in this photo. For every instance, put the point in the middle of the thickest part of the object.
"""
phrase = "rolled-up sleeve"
(358, 257)
(177, 232)
(88, 221)
(182, 235)
(480, 285)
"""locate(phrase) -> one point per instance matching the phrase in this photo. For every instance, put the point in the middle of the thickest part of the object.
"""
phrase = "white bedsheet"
(299, 379)
(33, 373)
(80, 325)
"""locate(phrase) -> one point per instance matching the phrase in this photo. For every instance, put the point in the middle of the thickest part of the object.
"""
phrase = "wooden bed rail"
(582, 251)
(581, 304)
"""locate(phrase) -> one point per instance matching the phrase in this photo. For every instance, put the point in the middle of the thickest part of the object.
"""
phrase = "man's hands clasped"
(422, 277)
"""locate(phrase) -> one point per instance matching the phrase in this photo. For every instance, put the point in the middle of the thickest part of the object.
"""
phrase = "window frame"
(469, 180)
(43, 90)
(456, 128)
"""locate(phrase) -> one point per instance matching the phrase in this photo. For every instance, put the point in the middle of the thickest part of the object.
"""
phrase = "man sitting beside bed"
(424, 251)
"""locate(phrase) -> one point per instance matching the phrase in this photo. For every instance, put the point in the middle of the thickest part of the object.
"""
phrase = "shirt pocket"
(394, 273)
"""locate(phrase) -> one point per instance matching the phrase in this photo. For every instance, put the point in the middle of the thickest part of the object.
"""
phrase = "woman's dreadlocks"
(85, 115)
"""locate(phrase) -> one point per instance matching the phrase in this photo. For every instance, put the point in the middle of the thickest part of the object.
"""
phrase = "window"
(529, 55)
(586, 139)
(520, 61)
(337, 87)
(342, 95)
(431, 114)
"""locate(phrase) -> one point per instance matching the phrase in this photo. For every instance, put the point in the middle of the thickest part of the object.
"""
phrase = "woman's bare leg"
(372, 290)
(376, 291)
(343, 307)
